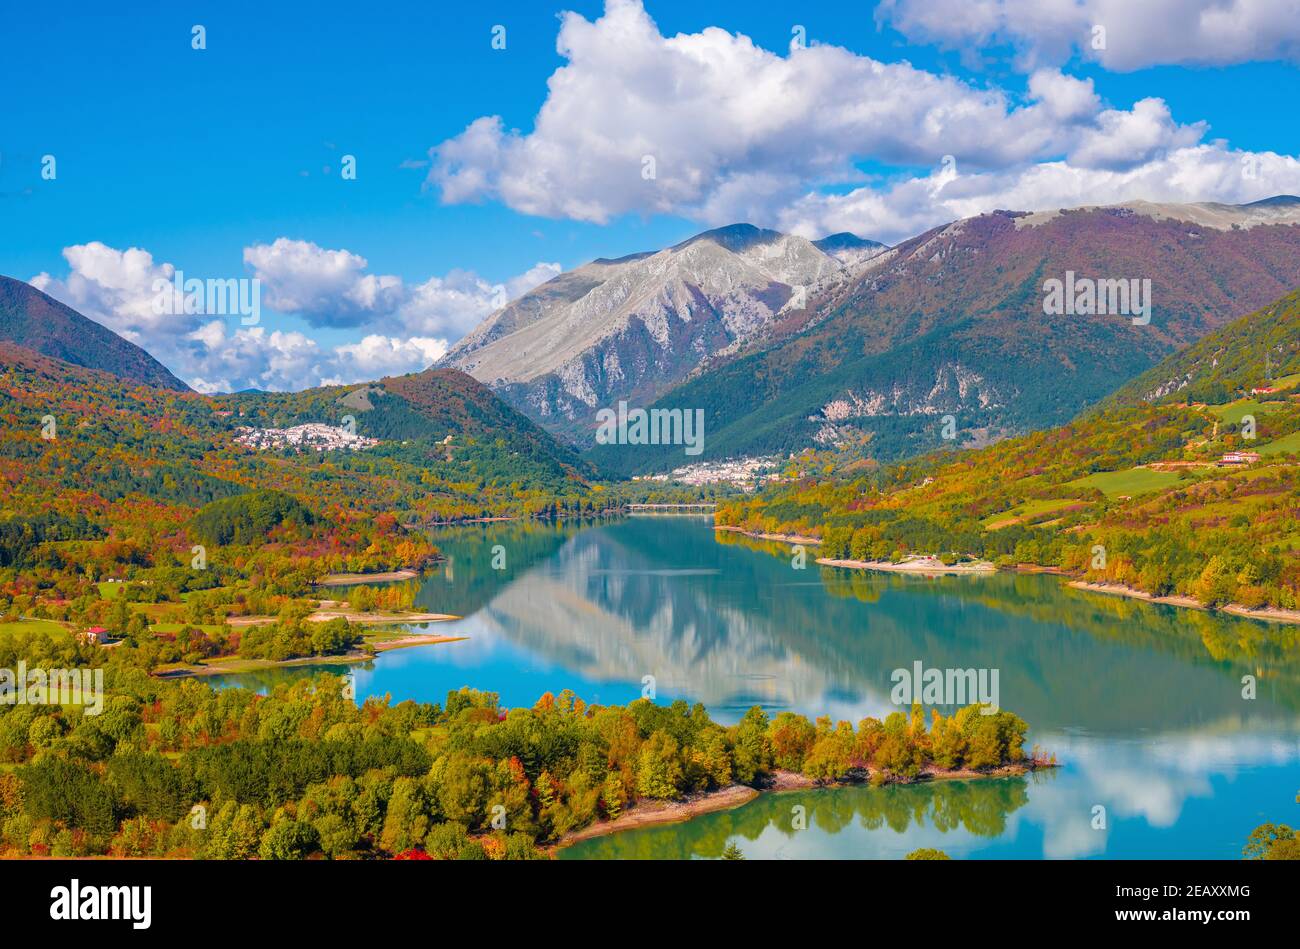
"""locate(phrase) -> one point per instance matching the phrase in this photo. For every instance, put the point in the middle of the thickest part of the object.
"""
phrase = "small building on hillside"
(96, 635)
(1238, 459)
(1263, 390)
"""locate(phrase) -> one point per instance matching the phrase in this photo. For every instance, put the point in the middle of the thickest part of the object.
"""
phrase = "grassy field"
(1232, 413)
(157, 612)
(1287, 443)
(1286, 382)
(33, 626)
(1028, 511)
(1132, 482)
(209, 628)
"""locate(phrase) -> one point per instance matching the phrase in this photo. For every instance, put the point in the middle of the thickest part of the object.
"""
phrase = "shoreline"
(405, 641)
(657, 813)
(924, 565)
(239, 666)
(1267, 614)
(501, 518)
(917, 564)
(353, 579)
(759, 535)
(352, 616)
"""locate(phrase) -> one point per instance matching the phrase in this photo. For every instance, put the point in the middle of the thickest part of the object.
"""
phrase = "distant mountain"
(434, 416)
(1253, 352)
(849, 248)
(631, 328)
(953, 322)
(36, 321)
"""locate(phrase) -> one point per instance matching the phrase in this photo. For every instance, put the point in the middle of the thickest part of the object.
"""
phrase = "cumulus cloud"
(1122, 140)
(115, 287)
(710, 126)
(218, 358)
(333, 288)
(407, 326)
(1119, 34)
(376, 356)
(912, 206)
(327, 287)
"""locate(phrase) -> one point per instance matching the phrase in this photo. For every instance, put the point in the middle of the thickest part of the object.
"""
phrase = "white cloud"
(740, 133)
(376, 356)
(332, 288)
(1065, 98)
(326, 287)
(408, 326)
(115, 287)
(218, 358)
(1136, 35)
(1191, 173)
(532, 277)
(1123, 140)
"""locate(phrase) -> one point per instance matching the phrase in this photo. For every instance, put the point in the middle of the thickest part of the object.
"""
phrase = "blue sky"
(194, 156)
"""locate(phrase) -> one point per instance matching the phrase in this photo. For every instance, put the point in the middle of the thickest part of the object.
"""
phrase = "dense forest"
(178, 769)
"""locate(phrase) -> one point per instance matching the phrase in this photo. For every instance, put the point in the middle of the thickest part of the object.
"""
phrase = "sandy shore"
(350, 579)
(783, 538)
(1271, 614)
(929, 565)
(234, 665)
(1268, 614)
(651, 813)
(933, 566)
(352, 616)
(405, 641)
(926, 565)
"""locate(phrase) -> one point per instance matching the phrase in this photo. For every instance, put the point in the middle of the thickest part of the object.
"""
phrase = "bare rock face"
(630, 329)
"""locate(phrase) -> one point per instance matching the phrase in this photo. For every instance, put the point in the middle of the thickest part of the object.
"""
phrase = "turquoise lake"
(1142, 704)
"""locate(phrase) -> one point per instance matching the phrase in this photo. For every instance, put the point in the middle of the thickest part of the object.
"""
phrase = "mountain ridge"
(1249, 353)
(630, 328)
(34, 320)
(953, 322)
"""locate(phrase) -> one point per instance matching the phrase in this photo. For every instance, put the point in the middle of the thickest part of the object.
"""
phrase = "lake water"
(1143, 704)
